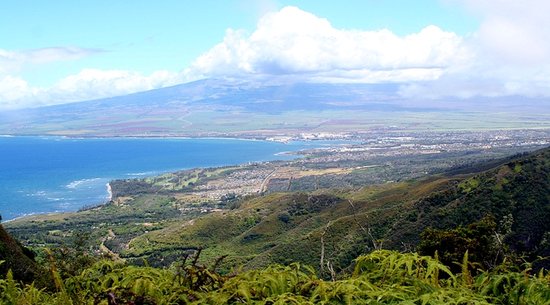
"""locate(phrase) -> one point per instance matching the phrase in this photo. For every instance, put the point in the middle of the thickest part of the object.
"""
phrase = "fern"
(381, 277)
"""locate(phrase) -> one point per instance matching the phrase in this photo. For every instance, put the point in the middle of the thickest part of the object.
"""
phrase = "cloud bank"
(508, 55)
(16, 92)
(295, 42)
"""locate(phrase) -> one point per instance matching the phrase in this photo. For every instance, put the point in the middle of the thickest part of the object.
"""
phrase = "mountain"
(229, 107)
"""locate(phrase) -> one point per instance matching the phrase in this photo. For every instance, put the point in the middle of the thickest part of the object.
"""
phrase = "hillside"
(517, 191)
(336, 224)
(16, 258)
(283, 228)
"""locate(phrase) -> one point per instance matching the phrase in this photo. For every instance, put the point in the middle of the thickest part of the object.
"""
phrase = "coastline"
(106, 194)
(32, 215)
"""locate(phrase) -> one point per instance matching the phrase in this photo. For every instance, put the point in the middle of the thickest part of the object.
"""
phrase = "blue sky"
(59, 51)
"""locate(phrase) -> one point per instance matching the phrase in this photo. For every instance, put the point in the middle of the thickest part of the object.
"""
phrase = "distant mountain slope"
(213, 107)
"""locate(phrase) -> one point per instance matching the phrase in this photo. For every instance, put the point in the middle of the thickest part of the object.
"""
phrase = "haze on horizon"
(59, 52)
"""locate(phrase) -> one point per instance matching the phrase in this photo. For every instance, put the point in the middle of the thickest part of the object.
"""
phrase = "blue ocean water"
(53, 174)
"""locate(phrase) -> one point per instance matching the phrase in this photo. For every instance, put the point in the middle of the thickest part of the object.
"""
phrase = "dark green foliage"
(478, 239)
(303, 204)
(131, 187)
(71, 258)
(17, 258)
(382, 277)
(284, 217)
(516, 195)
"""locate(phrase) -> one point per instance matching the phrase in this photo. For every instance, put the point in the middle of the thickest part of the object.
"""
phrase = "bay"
(55, 174)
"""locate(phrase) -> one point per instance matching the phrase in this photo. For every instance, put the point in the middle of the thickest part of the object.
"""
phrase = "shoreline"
(108, 192)
(36, 214)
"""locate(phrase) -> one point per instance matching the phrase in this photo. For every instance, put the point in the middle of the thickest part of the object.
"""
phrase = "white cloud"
(12, 91)
(511, 31)
(292, 42)
(508, 55)
(511, 53)
(86, 85)
(9, 62)
(514, 44)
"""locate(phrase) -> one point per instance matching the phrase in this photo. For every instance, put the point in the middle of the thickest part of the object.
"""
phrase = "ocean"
(56, 174)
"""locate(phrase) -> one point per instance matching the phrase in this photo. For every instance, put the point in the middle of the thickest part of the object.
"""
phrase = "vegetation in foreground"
(381, 277)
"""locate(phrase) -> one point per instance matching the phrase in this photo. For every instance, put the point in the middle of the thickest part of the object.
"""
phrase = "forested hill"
(511, 200)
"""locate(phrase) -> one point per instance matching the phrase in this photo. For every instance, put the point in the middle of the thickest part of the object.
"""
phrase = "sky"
(61, 51)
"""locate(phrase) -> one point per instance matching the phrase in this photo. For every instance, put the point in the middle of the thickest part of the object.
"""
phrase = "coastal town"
(350, 160)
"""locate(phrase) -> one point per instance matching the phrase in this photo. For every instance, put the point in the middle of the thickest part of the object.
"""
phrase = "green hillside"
(17, 258)
(299, 227)
(290, 227)
(477, 231)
